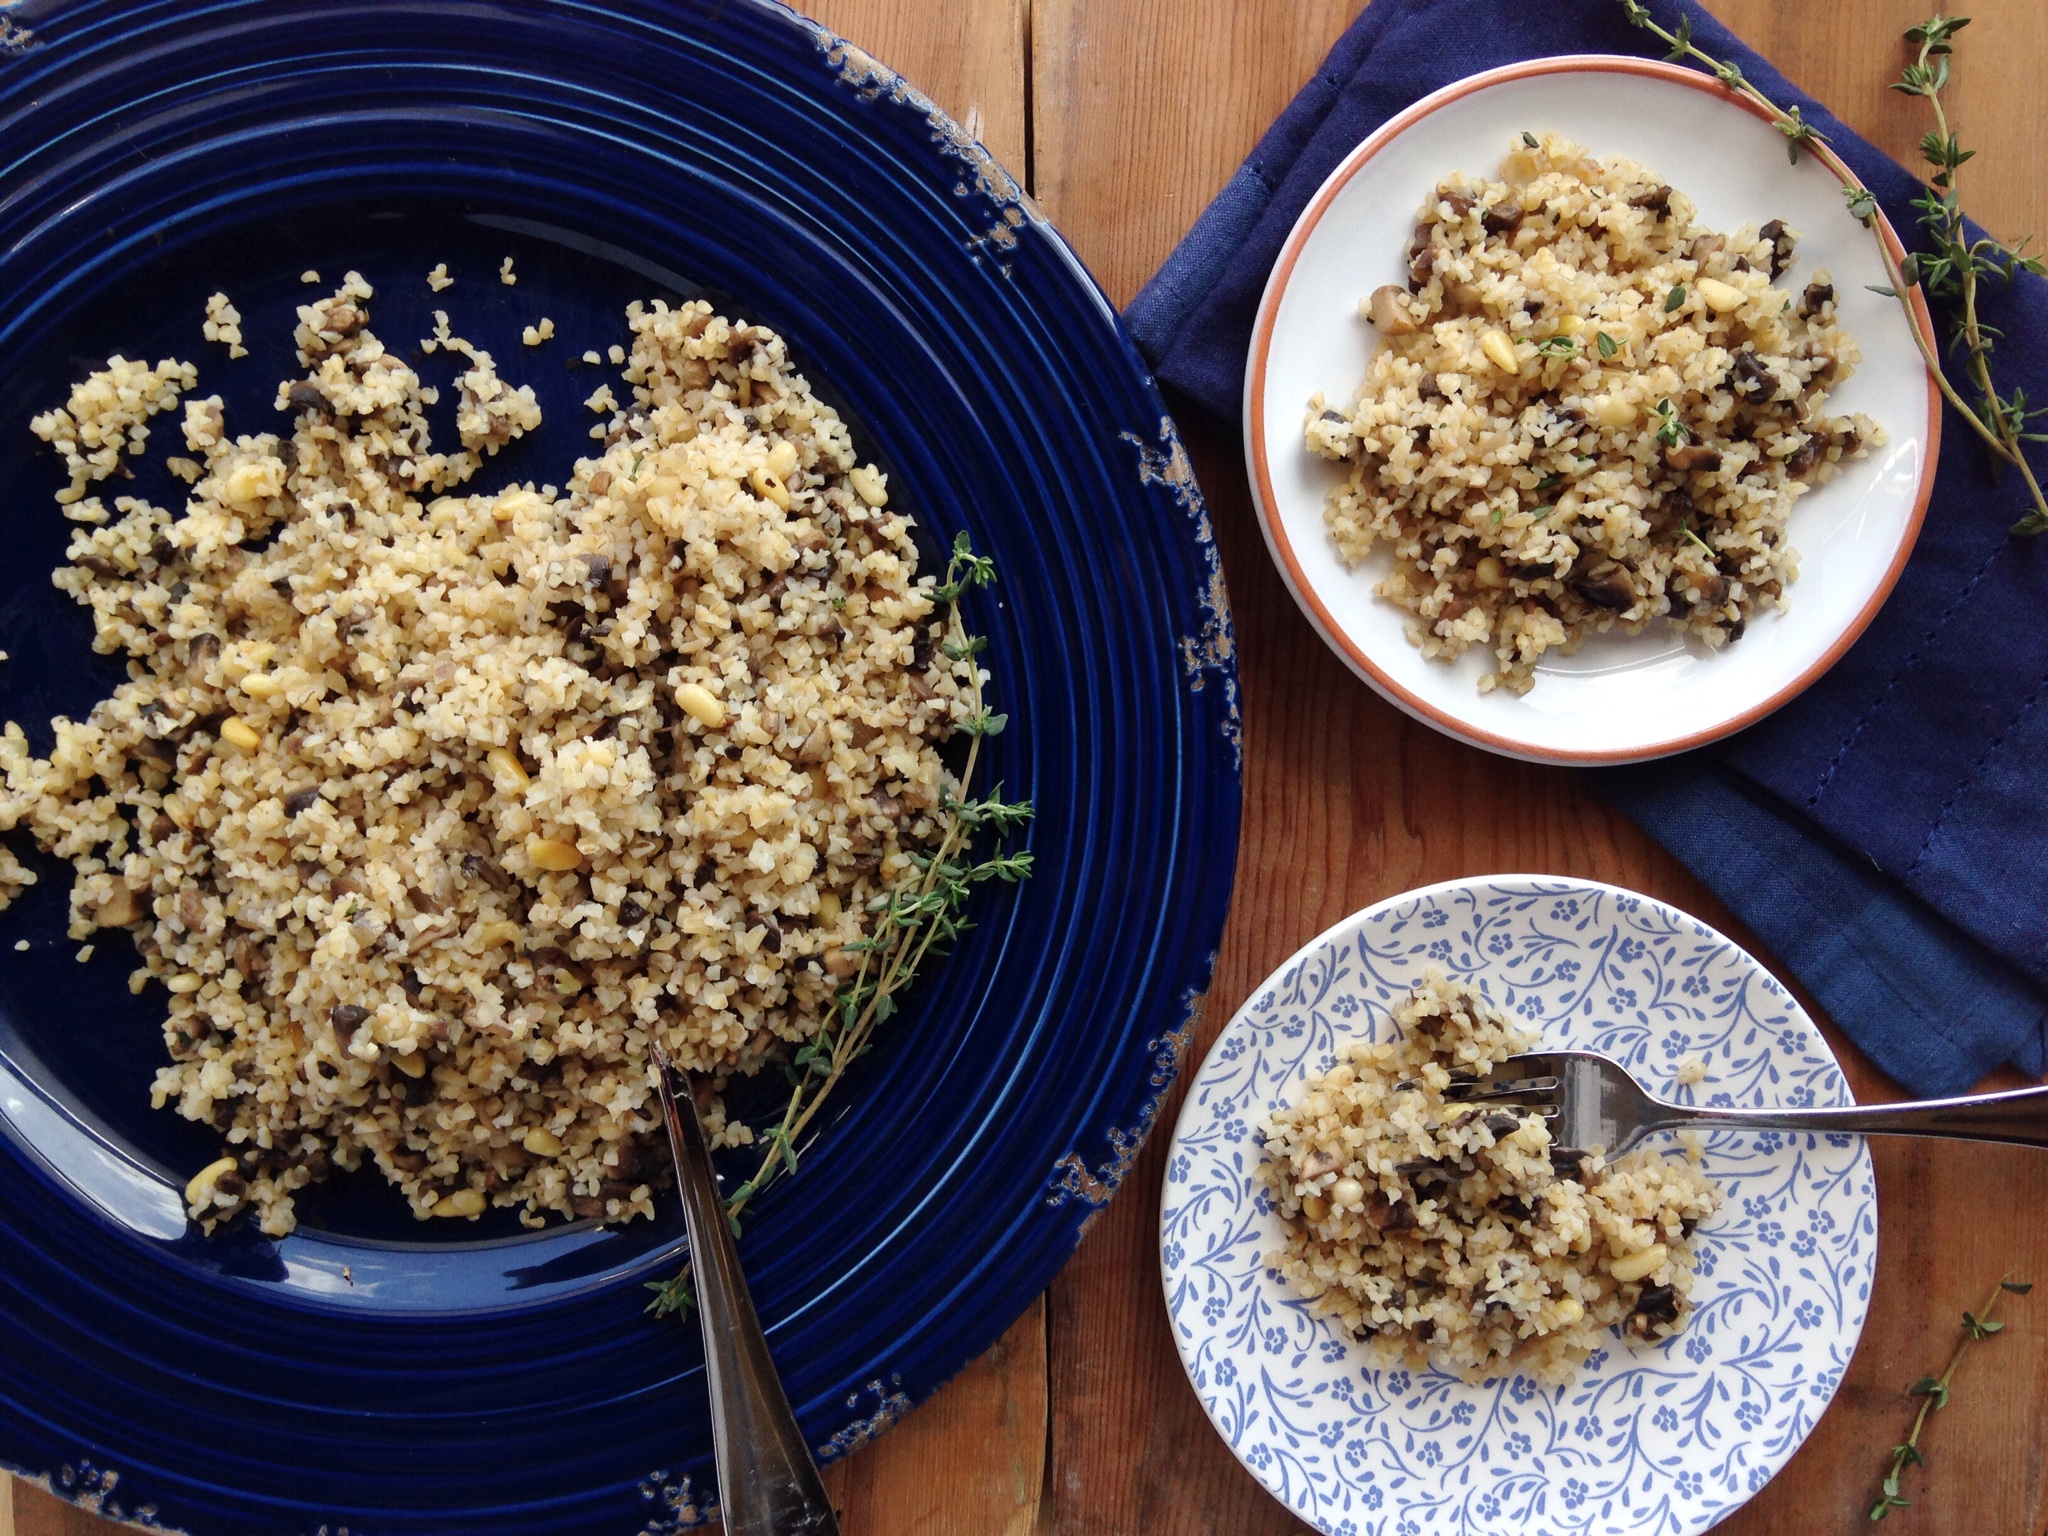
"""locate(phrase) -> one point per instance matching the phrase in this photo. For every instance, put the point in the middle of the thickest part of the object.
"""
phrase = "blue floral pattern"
(1658, 1440)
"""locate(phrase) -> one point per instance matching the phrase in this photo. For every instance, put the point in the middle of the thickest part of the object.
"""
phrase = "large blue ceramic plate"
(363, 1374)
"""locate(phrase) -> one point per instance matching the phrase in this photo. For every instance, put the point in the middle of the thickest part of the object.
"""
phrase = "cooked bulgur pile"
(1590, 411)
(433, 811)
(1456, 1236)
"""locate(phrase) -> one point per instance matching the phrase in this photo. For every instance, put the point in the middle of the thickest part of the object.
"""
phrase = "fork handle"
(2019, 1115)
(768, 1485)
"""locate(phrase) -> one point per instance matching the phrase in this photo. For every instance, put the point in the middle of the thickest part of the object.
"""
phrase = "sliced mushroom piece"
(1710, 590)
(1816, 297)
(1693, 459)
(1501, 218)
(1388, 311)
(1782, 241)
(1669, 511)
(1608, 587)
(1656, 200)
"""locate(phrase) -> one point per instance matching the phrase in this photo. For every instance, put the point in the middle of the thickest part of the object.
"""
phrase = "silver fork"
(1591, 1101)
(768, 1484)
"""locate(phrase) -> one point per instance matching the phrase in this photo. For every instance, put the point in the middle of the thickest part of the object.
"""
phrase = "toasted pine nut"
(1347, 1192)
(828, 907)
(237, 732)
(412, 1064)
(782, 460)
(463, 1202)
(1569, 1310)
(261, 685)
(553, 853)
(507, 770)
(1315, 1207)
(1638, 1265)
(185, 982)
(1499, 351)
(542, 1143)
(769, 487)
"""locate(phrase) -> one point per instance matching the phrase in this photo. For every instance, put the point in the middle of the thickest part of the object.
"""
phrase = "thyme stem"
(1957, 262)
(1933, 1393)
(921, 915)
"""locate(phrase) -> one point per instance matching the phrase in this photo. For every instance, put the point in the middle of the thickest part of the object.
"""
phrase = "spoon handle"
(767, 1483)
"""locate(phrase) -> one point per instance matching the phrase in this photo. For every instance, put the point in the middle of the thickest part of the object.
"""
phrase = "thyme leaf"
(1952, 266)
(917, 920)
(1933, 1392)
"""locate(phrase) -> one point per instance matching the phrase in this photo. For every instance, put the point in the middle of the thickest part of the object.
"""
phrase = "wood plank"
(1143, 108)
(36, 1513)
(971, 1462)
(1348, 801)
(968, 55)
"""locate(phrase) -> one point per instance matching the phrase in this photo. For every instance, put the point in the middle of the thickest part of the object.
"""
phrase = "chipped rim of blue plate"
(352, 1379)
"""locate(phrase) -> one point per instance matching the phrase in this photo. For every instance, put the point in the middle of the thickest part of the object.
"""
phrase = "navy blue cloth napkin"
(1886, 833)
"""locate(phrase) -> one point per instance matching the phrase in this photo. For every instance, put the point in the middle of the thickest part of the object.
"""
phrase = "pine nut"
(200, 1191)
(701, 705)
(1569, 1310)
(782, 460)
(1613, 411)
(542, 1143)
(1718, 296)
(1499, 351)
(463, 1202)
(237, 732)
(507, 770)
(1347, 1193)
(412, 1064)
(870, 485)
(554, 854)
(185, 982)
(769, 487)
(261, 685)
(1638, 1265)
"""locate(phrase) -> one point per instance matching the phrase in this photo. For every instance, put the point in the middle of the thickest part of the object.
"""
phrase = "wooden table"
(1123, 117)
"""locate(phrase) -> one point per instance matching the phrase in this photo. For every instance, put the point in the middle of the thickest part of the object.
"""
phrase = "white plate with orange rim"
(1619, 698)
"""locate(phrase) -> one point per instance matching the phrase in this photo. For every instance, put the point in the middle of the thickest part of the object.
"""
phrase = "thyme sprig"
(1955, 265)
(1933, 1392)
(915, 921)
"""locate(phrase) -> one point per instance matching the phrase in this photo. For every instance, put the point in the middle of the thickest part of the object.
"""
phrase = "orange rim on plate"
(1255, 417)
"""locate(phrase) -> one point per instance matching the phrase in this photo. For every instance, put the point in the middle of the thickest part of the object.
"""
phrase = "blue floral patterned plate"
(1645, 1441)
(370, 1375)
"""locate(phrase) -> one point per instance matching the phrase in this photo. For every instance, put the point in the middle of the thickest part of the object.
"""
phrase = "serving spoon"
(1591, 1101)
(768, 1485)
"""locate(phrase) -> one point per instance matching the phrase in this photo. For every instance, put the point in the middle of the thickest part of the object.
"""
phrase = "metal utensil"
(1591, 1100)
(768, 1484)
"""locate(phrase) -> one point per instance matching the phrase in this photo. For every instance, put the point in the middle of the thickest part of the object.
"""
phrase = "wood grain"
(1081, 1423)
(1348, 801)
(1143, 108)
(970, 1460)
